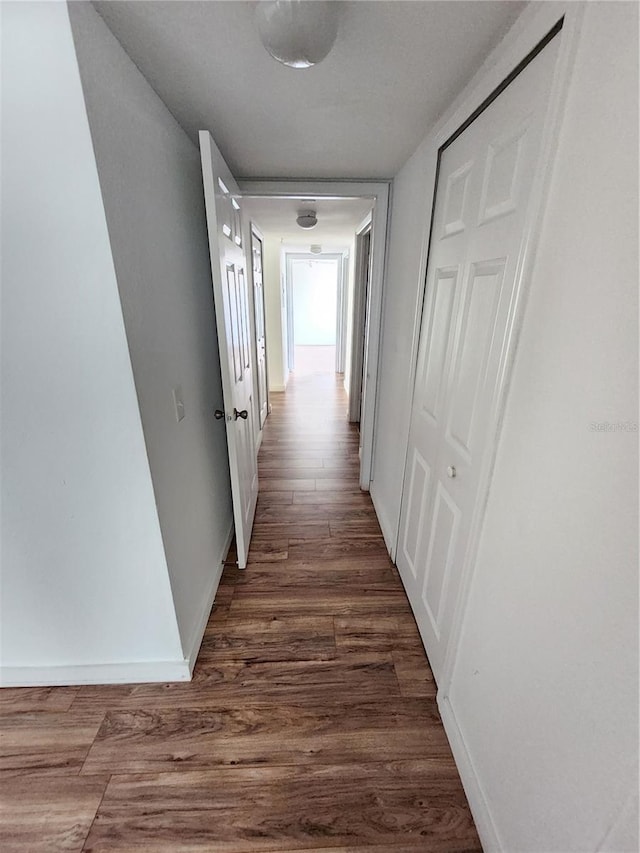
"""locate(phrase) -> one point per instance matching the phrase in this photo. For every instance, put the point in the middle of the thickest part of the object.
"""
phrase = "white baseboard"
(470, 781)
(122, 673)
(101, 673)
(207, 603)
(277, 389)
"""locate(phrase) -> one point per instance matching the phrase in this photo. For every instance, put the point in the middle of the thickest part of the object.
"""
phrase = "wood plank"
(268, 549)
(282, 484)
(270, 454)
(391, 847)
(275, 498)
(358, 527)
(13, 699)
(290, 808)
(302, 446)
(175, 740)
(314, 512)
(334, 462)
(327, 550)
(222, 601)
(336, 483)
(381, 634)
(270, 465)
(291, 472)
(272, 639)
(290, 578)
(40, 816)
(46, 742)
(369, 601)
(345, 497)
(414, 673)
(231, 684)
(289, 530)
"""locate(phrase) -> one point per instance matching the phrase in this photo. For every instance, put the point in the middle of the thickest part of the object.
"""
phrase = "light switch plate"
(178, 403)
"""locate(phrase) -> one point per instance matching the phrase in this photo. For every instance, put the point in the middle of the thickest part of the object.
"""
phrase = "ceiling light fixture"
(307, 219)
(315, 249)
(298, 33)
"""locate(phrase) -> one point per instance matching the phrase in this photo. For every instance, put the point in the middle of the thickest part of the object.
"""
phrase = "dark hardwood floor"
(311, 721)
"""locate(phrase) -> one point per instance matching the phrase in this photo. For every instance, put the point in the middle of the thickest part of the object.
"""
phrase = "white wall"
(411, 208)
(151, 182)
(84, 577)
(545, 686)
(545, 689)
(314, 288)
(275, 316)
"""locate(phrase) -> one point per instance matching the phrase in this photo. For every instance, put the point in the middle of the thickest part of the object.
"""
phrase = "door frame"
(291, 256)
(379, 192)
(358, 333)
(254, 231)
(341, 319)
(535, 23)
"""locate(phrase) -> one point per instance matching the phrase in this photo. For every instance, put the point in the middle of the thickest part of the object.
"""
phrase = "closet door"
(473, 277)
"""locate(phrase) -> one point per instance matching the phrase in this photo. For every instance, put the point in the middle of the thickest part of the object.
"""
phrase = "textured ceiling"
(359, 114)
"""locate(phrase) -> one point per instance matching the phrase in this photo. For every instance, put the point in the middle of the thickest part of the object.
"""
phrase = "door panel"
(444, 531)
(478, 239)
(456, 200)
(503, 175)
(228, 264)
(417, 503)
(481, 305)
(439, 332)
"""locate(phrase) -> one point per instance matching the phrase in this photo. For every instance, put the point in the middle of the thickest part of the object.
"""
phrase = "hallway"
(311, 720)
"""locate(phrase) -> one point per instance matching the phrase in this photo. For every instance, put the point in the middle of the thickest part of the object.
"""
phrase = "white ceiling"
(360, 113)
(338, 219)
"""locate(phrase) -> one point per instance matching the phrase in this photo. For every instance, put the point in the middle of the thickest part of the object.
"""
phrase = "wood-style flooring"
(311, 721)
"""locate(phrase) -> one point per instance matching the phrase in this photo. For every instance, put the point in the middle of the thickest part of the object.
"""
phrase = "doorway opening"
(315, 308)
(361, 285)
(321, 319)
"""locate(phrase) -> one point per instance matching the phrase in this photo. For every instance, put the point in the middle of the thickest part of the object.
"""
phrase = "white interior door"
(473, 275)
(228, 268)
(261, 348)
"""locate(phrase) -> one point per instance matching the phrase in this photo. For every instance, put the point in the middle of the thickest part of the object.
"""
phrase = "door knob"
(243, 414)
(218, 414)
(451, 472)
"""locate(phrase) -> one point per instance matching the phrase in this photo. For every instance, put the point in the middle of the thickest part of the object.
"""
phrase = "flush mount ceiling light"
(315, 249)
(307, 219)
(298, 33)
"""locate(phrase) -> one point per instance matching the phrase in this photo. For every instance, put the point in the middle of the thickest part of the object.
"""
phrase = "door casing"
(361, 283)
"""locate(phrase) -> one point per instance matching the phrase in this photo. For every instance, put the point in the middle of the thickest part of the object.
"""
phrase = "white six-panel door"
(484, 184)
(228, 267)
